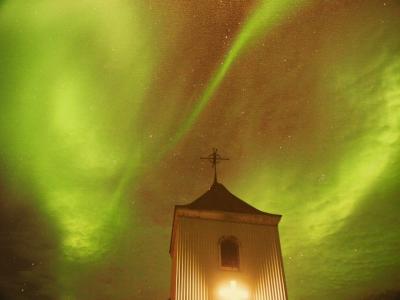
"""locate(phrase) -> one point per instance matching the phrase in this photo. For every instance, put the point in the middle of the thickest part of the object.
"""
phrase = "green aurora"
(106, 108)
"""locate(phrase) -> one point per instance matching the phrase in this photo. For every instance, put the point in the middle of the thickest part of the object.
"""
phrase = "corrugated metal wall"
(198, 272)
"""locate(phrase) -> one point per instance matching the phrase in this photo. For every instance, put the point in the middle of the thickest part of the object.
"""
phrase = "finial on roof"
(214, 158)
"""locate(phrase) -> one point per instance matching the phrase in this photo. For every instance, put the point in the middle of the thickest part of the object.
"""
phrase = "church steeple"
(214, 158)
(223, 248)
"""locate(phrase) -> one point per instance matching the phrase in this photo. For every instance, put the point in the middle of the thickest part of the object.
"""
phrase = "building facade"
(223, 248)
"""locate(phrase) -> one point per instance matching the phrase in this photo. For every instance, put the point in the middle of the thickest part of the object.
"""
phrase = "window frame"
(236, 241)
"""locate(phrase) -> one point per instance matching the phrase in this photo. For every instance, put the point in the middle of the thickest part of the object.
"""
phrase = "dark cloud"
(389, 295)
(28, 250)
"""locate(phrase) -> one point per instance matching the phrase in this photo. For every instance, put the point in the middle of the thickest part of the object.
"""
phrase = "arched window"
(229, 252)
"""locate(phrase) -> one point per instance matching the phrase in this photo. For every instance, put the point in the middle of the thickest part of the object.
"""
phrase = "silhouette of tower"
(223, 248)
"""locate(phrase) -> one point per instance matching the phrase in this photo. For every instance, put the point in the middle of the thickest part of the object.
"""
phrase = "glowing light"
(232, 291)
(65, 143)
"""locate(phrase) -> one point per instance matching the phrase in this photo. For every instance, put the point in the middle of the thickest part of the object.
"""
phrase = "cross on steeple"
(214, 158)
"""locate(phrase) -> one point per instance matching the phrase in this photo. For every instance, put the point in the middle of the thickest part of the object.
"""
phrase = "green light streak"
(264, 18)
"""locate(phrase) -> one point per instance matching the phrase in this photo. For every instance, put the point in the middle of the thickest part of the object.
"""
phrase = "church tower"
(224, 249)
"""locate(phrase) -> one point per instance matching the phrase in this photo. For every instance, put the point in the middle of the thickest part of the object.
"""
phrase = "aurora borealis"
(108, 105)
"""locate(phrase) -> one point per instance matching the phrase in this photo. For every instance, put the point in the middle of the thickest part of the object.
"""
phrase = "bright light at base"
(232, 291)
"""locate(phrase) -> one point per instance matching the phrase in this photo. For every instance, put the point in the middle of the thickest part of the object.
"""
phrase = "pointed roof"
(220, 204)
(218, 198)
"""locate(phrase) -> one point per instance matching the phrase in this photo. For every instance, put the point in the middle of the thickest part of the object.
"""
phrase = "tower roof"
(218, 198)
(220, 204)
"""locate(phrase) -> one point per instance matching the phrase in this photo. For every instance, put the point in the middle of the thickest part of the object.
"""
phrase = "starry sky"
(106, 107)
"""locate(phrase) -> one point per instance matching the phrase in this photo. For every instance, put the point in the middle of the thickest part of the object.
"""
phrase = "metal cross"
(214, 158)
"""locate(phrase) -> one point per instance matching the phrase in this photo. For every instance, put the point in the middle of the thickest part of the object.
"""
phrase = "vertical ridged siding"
(198, 274)
(190, 275)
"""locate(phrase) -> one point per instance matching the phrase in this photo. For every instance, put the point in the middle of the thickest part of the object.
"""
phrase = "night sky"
(107, 106)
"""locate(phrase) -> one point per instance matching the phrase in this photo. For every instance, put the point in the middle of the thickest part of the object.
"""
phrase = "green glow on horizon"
(354, 174)
(364, 158)
(369, 157)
